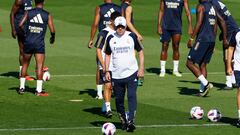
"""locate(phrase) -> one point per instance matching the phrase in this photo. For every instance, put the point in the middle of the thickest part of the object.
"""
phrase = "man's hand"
(14, 34)
(90, 44)
(140, 72)
(189, 44)
(107, 76)
(52, 38)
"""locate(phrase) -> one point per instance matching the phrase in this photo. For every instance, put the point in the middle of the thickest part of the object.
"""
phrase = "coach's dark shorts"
(167, 34)
(102, 79)
(237, 77)
(33, 48)
(201, 52)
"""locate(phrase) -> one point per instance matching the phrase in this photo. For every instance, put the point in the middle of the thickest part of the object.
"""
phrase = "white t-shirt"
(122, 50)
(237, 53)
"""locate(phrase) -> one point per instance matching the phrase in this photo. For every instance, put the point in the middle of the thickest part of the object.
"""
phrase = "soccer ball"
(214, 115)
(46, 76)
(197, 112)
(108, 128)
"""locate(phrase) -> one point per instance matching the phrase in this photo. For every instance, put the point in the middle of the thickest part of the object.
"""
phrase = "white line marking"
(139, 126)
(92, 75)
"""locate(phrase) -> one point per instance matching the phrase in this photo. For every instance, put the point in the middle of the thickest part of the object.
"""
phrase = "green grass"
(161, 101)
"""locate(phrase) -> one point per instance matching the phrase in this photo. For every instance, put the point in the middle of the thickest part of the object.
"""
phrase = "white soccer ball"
(108, 128)
(214, 115)
(196, 112)
(46, 76)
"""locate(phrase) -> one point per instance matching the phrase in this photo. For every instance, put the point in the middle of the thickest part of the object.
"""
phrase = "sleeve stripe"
(99, 41)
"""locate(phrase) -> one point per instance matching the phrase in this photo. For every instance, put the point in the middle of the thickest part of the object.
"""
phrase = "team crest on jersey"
(37, 19)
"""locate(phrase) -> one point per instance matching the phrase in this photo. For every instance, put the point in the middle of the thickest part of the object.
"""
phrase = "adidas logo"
(37, 19)
(109, 12)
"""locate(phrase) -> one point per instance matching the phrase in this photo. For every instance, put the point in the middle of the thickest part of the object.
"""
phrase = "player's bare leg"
(176, 55)
(39, 59)
(238, 105)
(21, 53)
(107, 98)
(99, 86)
(163, 58)
(25, 63)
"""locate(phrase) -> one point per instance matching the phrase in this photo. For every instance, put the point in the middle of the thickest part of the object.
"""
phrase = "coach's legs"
(119, 92)
(132, 97)
(39, 58)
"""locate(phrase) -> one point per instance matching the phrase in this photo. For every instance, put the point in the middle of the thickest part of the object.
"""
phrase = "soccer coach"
(122, 45)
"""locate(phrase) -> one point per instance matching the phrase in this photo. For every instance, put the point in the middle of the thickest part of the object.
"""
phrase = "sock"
(175, 65)
(162, 65)
(99, 90)
(22, 82)
(39, 85)
(229, 81)
(20, 69)
(239, 114)
(108, 106)
(233, 80)
(203, 80)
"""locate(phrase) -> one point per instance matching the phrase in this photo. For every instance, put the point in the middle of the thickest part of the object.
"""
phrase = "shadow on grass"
(231, 121)
(100, 123)
(10, 74)
(219, 86)
(27, 89)
(90, 92)
(157, 71)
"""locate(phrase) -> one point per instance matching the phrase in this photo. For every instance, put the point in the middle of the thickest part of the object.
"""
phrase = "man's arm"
(128, 16)
(14, 10)
(94, 26)
(24, 19)
(200, 15)
(160, 16)
(141, 65)
(51, 28)
(223, 29)
(189, 17)
(229, 60)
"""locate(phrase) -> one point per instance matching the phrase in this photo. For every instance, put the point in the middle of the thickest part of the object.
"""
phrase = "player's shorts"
(167, 34)
(201, 52)
(102, 79)
(33, 49)
(237, 77)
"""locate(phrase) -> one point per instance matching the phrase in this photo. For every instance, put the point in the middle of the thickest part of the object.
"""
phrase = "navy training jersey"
(226, 15)
(124, 7)
(37, 23)
(26, 5)
(172, 17)
(206, 32)
(106, 10)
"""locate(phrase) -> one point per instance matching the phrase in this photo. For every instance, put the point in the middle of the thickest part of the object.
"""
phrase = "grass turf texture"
(163, 102)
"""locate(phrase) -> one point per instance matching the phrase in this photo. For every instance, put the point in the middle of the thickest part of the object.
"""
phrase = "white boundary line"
(91, 75)
(138, 126)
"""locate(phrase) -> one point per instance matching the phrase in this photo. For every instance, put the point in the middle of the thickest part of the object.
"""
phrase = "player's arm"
(160, 16)
(230, 51)
(51, 28)
(99, 45)
(189, 17)
(108, 53)
(22, 22)
(139, 48)
(14, 10)
(223, 29)
(200, 15)
(94, 26)
(128, 16)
